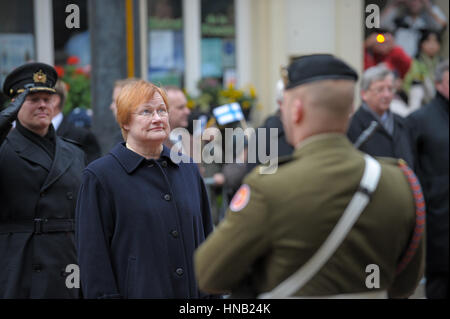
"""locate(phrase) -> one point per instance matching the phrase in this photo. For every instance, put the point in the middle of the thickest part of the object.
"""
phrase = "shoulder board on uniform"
(71, 141)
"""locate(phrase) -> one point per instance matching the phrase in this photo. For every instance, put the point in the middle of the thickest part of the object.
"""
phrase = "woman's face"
(149, 123)
(431, 46)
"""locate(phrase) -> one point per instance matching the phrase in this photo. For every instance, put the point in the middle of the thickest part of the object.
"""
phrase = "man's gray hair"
(373, 74)
(440, 70)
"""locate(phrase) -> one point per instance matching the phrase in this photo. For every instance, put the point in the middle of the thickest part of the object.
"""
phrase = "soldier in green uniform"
(275, 223)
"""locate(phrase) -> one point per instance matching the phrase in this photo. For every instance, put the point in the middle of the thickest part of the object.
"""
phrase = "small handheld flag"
(228, 113)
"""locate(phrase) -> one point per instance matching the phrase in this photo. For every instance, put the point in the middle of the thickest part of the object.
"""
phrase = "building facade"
(183, 41)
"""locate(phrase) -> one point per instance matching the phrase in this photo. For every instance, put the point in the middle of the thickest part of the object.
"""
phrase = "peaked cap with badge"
(37, 77)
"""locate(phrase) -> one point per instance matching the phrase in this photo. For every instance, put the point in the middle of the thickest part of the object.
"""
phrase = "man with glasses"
(391, 136)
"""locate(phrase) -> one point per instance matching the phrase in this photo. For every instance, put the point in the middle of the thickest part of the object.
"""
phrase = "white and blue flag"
(228, 113)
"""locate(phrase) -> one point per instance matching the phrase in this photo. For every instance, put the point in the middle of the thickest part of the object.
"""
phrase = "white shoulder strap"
(361, 198)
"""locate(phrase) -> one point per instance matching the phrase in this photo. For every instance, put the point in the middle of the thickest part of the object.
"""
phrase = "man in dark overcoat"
(64, 128)
(40, 174)
(391, 138)
(429, 129)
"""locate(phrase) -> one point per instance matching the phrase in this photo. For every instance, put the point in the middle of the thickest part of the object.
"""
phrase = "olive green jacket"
(290, 214)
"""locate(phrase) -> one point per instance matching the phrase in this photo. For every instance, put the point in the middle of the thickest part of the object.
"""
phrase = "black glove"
(9, 115)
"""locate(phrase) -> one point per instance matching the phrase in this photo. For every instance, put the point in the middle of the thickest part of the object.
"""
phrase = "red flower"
(79, 71)
(59, 70)
(73, 60)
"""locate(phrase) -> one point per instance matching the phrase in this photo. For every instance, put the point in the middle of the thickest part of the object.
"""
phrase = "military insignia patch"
(240, 199)
(39, 77)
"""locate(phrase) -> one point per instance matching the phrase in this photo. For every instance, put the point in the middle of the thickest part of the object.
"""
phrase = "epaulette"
(71, 141)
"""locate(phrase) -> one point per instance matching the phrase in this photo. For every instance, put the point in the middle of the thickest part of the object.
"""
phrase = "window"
(166, 42)
(218, 45)
(16, 35)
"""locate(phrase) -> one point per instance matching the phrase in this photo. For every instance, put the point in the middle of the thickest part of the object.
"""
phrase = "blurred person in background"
(420, 76)
(273, 121)
(399, 104)
(84, 137)
(430, 136)
(178, 118)
(407, 18)
(380, 47)
(391, 138)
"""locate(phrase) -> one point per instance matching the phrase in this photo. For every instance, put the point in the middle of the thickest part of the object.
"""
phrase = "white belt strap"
(361, 198)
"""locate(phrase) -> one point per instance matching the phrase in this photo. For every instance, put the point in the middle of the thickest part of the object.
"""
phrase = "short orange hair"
(131, 96)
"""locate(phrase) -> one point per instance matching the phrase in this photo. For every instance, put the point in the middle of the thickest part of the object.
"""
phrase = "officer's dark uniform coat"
(32, 186)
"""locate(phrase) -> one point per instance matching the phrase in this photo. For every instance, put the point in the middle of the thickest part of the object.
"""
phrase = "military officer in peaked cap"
(39, 179)
(276, 223)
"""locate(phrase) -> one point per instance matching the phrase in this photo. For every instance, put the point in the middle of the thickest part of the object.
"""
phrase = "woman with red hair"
(140, 214)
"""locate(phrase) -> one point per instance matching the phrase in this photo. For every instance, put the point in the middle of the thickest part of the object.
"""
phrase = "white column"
(43, 27)
(243, 41)
(309, 26)
(143, 25)
(192, 44)
(278, 49)
(349, 35)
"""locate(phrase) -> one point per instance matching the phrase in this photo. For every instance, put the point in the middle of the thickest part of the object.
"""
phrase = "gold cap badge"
(39, 77)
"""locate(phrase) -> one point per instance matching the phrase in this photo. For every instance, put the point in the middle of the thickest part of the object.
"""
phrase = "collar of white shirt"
(56, 121)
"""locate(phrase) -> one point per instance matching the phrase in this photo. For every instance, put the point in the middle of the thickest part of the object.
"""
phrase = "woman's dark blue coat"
(138, 224)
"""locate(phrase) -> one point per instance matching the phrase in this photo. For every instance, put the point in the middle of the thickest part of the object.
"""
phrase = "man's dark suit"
(381, 143)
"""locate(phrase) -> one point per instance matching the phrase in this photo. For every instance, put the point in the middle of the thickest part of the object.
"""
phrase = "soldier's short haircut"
(334, 96)
(440, 70)
(373, 74)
